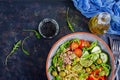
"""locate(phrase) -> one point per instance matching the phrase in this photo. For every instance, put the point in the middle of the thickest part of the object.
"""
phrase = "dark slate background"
(17, 15)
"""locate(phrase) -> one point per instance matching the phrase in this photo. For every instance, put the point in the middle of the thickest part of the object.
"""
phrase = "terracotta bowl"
(85, 36)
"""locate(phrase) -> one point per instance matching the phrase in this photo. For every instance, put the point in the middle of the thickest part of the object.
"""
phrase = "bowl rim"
(95, 36)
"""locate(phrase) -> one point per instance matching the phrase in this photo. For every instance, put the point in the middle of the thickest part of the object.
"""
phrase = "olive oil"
(100, 23)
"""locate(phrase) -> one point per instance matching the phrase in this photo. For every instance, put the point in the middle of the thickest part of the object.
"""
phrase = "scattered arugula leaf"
(36, 33)
(68, 22)
(15, 47)
(25, 51)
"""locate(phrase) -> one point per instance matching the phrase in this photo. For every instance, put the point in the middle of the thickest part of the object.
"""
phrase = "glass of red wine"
(48, 28)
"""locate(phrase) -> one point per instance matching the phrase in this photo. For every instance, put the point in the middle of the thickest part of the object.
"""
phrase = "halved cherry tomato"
(78, 52)
(81, 43)
(74, 45)
(84, 43)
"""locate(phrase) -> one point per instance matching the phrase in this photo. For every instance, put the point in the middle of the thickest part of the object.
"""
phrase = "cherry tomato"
(81, 43)
(78, 52)
(84, 43)
(74, 45)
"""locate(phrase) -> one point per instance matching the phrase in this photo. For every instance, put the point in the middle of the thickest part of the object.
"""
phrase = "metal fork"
(116, 46)
(116, 74)
(116, 52)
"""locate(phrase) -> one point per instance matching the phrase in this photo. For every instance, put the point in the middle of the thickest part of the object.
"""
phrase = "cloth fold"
(90, 8)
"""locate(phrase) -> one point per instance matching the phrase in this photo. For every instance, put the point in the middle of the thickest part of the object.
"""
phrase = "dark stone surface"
(17, 15)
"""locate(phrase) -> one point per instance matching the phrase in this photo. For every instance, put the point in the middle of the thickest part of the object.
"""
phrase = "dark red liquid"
(48, 29)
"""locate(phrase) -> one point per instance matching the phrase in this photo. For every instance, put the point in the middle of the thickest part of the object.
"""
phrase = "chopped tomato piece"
(74, 45)
(96, 71)
(91, 77)
(102, 78)
(78, 52)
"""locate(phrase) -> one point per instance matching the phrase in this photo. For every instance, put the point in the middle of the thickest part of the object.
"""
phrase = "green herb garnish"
(25, 51)
(68, 22)
(15, 47)
(36, 33)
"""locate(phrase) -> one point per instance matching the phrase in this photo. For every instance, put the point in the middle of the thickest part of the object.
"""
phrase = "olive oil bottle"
(100, 23)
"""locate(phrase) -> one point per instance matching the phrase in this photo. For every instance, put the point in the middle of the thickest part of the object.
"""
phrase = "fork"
(116, 51)
(118, 69)
(116, 46)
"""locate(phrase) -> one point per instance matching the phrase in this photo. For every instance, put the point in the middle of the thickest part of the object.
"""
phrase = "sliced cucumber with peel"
(86, 62)
(96, 49)
(104, 57)
(85, 53)
(95, 56)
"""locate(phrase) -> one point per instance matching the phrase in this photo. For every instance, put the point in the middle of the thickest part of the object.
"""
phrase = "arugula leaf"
(54, 61)
(75, 40)
(64, 46)
(25, 51)
(15, 47)
(60, 62)
(106, 67)
(83, 76)
(57, 77)
(68, 22)
(36, 33)
(74, 62)
(50, 68)
(93, 44)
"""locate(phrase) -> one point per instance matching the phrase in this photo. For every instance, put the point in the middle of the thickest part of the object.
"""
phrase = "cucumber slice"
(104, 57)
(86, 62)
(77, 68)
(94, 56)
(84, 54)
(96, 49)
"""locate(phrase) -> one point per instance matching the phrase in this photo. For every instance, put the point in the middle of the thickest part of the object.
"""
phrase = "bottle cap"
(104, 18)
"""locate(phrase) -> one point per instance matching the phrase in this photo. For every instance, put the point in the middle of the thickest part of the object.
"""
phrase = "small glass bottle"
(48, 28)
(100, 23)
